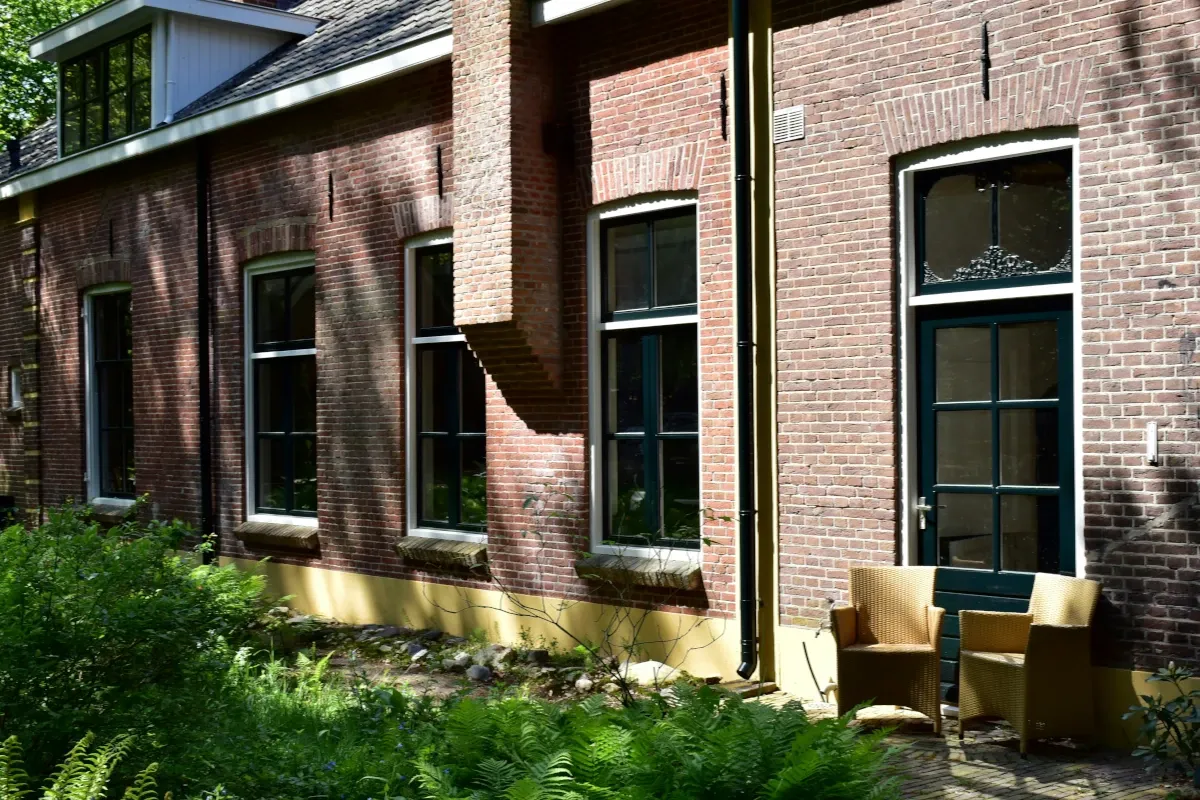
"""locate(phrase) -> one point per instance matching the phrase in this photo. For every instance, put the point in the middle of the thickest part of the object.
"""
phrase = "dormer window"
(106, 93)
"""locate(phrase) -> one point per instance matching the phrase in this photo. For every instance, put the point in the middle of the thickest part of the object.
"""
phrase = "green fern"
(14, 781)
(82, 775)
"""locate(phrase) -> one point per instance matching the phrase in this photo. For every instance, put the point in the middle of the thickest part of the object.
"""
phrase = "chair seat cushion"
(888, 648)
(1008, 659)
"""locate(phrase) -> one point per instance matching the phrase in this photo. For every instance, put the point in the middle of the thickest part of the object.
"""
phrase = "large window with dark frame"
(105, 93)
(649, 367)
(110, 356)
(283, 363)
(450, 403)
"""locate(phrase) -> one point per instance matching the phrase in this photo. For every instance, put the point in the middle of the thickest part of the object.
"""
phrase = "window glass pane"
(627, 264)
(130, 483)
(963, 364)
(91, 77)
(964, 447)
(1034, 210)
(127, 395)
(270, 323)
(301, 288)
(1029, 361)
(110, 399)
(681, 488)
(473, 395)
(957, 225)
(141, 56)
(679, 388)
(118, 66)
(304, 393)
(72, 84)
(436, 467)
(1029, 529)
(112, 462)
(1029, 447)
(94, 128)
(675, 261)
(272, 473)
(271, 395)
(110, 318)
(141, 106)
(435, 383)
(72, 131)
(965, 529)
(435, 303)
(474, 481)
(118, 115)
(625, 410)
(628, 506)
(304, 473)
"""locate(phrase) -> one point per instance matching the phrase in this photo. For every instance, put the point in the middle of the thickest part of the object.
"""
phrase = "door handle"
(923, 508)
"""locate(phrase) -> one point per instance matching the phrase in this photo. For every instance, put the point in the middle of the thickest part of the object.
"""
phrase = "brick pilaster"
(31, 418)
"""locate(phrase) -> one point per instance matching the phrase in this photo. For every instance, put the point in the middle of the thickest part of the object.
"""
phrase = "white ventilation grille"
(789, 124)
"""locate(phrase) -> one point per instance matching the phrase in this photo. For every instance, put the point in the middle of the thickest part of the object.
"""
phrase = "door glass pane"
(473, 394)
(675, 261)
(302, 302)
(628, 262)
(271, 394)
(964, 530)
(1034, 211)
(1029, 528)
(1029, 361)
(474, 481)
(270, 323)
(1029, 447)
(963, 368)
(436, 457)
(435, 386)
(964, 447)
(272, 473)
(304, 393)
(435, 303)
(957, 225)
(625, 412)
(679, 390)
(681, 488)
(627, 501)
(304, 481)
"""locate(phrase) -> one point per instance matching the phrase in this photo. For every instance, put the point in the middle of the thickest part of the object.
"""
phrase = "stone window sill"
(442, 552)
(629, 571)
(279, 535)
(108, 512)
(14, 412)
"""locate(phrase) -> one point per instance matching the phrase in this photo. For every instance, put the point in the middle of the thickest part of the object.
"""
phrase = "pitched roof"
(352, 30)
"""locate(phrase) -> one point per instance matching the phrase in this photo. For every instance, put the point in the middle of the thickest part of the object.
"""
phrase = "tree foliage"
(27, 87)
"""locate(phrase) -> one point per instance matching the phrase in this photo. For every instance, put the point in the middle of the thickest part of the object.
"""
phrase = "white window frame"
(262, 266)
(1009, 146)
(411, 340)
(646, 204)
(91, 409)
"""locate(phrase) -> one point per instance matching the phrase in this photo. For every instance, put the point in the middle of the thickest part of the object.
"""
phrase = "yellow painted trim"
(702, 646)
(27, 207)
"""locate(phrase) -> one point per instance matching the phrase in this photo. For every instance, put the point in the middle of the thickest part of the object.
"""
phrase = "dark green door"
(996, 445)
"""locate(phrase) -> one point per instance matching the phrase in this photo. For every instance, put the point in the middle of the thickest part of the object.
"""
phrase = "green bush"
(1170, 727)
(111, 631)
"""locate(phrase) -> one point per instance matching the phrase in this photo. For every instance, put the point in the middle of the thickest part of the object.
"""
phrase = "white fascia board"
(548, 12)
(49, 46)
(406, 59)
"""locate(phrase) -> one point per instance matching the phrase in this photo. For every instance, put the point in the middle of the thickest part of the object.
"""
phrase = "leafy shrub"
(1170, 729)
(111, 631)
(83, 775)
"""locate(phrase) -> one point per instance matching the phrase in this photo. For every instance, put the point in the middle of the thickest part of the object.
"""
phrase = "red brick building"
(424, 299)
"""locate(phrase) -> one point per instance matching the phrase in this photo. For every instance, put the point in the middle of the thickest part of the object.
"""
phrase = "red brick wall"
(12, 321)
(850, 63)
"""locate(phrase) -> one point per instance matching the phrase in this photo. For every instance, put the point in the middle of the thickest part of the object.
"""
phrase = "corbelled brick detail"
(1051, 96)
(506, 228)
(671, 169)
(98, 273)
(423, 215)
(277, 236)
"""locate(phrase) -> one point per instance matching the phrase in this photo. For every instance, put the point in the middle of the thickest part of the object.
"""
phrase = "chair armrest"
(1059, 647)
(845, 625)
(994, 631)
(936, 616)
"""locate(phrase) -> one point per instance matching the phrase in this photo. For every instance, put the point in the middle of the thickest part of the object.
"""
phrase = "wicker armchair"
(888, 641)
(1032, 669)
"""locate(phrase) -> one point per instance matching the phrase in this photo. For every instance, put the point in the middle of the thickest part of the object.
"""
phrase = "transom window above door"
(997, 223)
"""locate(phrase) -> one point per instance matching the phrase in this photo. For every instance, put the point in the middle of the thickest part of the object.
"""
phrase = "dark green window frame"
(106, 93)
(460, 441)
(111, 339)
(658, 518)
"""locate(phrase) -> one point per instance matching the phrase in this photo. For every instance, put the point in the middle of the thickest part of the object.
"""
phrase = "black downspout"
(743, 269)
(203, 341)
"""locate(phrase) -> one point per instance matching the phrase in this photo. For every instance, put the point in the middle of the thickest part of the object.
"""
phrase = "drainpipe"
(743, 269)
(203, 341)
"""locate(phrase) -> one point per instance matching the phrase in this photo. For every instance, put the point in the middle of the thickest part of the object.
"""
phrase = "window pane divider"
(306, 351)
(649, 322)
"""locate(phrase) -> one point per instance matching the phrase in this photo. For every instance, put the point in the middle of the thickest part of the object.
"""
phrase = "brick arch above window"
(669, 169)
(423, 215)
(1047, 97)
(283, 235)
(101, 271)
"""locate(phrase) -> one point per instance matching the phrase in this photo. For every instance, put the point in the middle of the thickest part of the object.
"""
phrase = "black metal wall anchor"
(985, 63)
